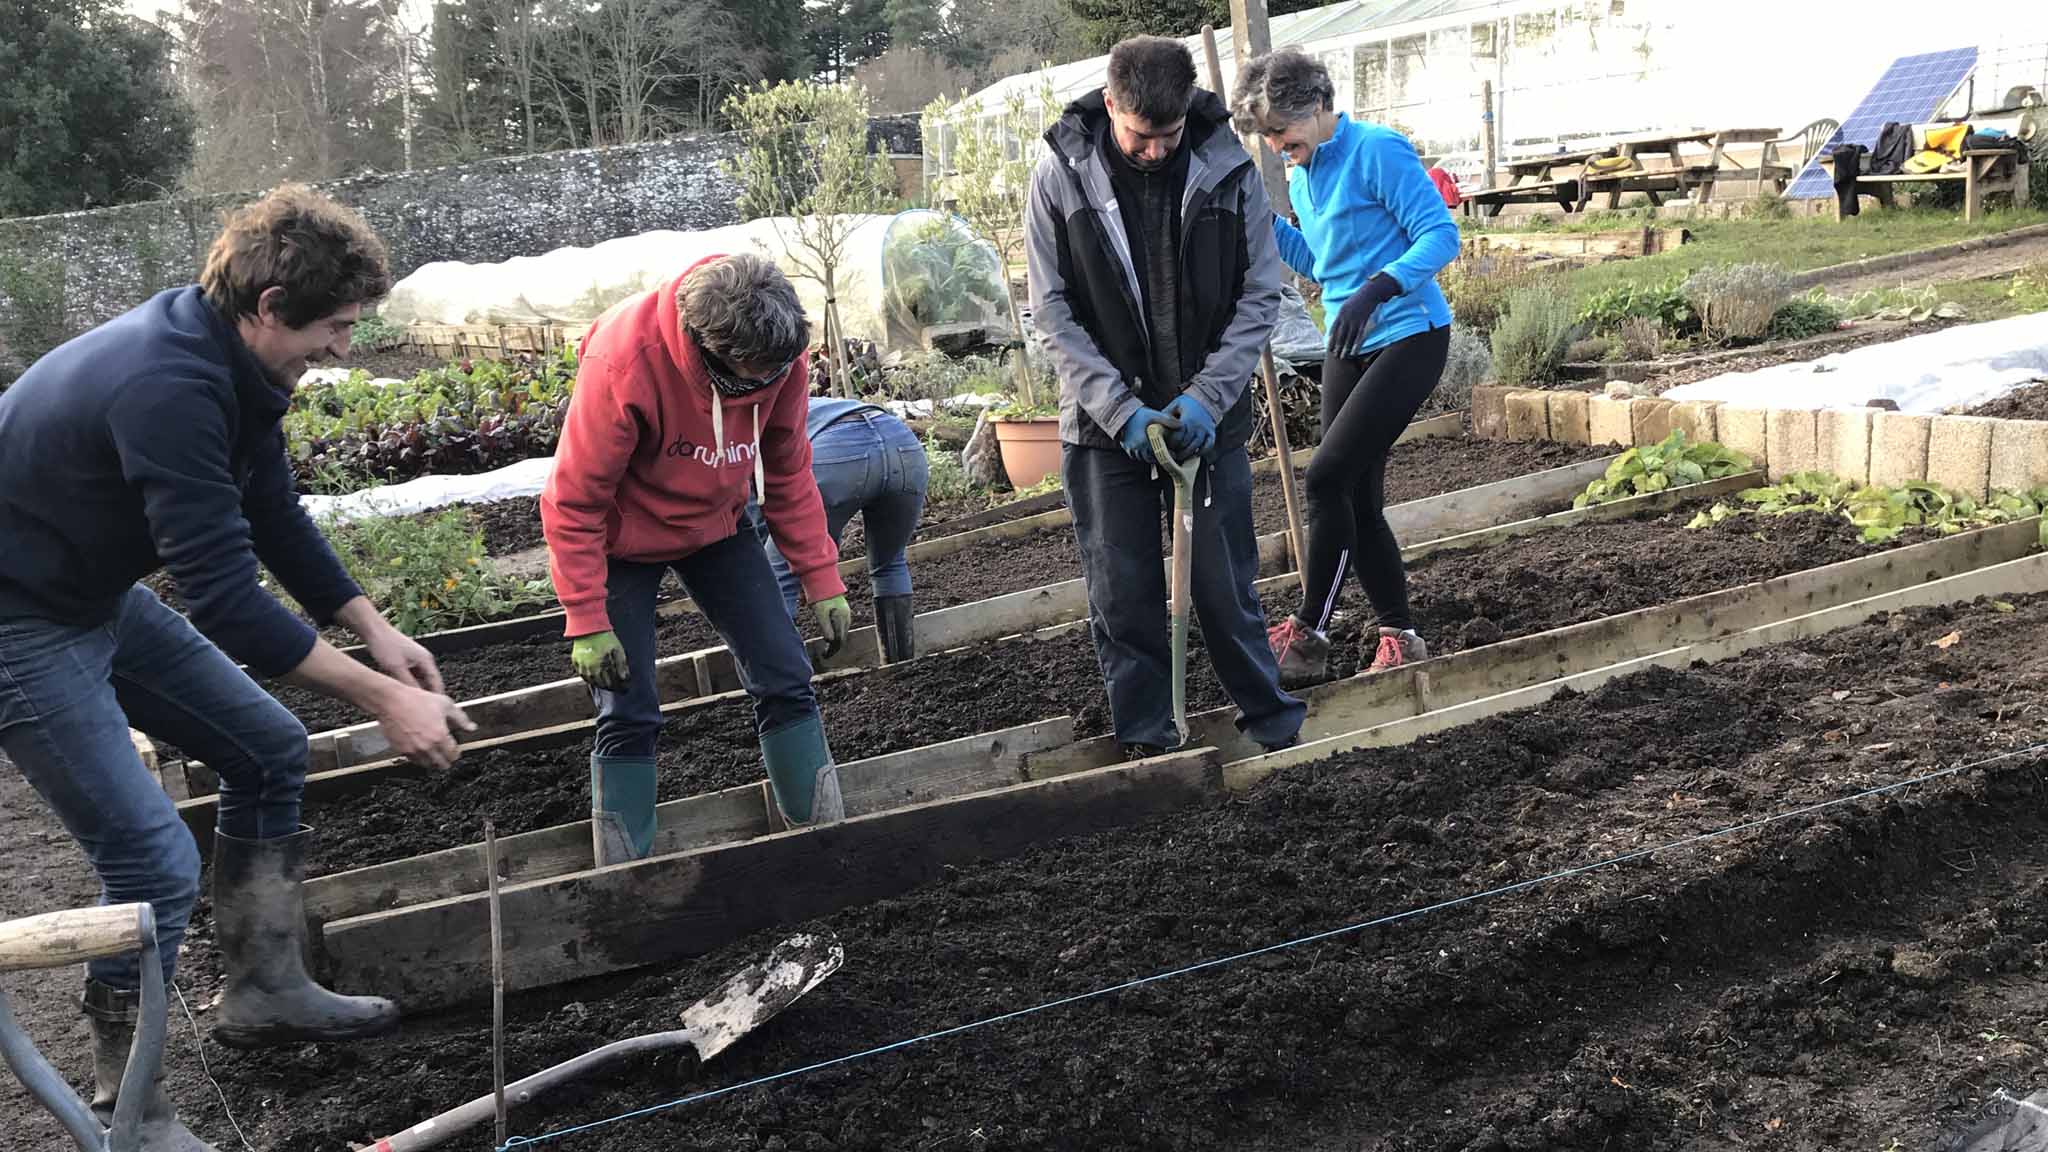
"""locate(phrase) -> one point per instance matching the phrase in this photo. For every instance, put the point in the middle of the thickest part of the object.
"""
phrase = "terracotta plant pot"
(1030, 448)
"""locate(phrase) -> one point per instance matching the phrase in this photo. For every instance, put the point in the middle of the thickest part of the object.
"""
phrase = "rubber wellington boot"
(896, 628)
(112, 1014)
(259, 918)
(621, 808)
(801, 771)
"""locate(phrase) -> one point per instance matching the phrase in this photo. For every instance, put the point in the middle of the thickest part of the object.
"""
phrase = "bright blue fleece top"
(1367, 206)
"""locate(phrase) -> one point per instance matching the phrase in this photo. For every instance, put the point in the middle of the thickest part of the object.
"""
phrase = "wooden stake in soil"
(1276, 416)
(497, 978)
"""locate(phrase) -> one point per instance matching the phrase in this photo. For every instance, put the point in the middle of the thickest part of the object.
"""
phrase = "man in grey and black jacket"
(1155, 280)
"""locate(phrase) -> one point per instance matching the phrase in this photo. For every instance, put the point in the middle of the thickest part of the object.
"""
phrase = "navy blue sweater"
(153, 441)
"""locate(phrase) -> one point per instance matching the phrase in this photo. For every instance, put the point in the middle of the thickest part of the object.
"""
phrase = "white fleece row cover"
(1958, 367)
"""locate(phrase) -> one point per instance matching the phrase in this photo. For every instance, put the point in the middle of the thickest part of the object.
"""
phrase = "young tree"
(807, 165)
(985, 163)
(87, 108)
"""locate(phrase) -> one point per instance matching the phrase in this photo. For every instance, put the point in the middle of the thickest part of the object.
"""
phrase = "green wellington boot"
(800, 768)
(621, 808)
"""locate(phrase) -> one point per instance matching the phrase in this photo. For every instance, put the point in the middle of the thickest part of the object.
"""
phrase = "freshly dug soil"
(2028, 402)
(1415, 470)
(1862, 977)
(397, 365)
(1527, 585)
(1420, 469)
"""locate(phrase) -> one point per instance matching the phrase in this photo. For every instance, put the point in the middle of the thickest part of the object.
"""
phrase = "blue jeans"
(734, 587)
(871, 463)
(68, 695)
(1117, 505)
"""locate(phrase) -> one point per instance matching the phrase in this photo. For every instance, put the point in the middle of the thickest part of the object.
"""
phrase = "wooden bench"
(1984, 172)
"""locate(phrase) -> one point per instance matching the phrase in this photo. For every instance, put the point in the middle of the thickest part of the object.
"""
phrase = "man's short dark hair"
(322, 254)
(1152, 78)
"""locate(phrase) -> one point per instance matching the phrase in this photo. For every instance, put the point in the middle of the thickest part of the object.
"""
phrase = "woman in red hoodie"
(685, 396)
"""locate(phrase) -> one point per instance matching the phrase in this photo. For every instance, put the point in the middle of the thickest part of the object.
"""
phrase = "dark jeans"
(1117, 504)
(734, 587)
(68, 695)
(873, 464)
(1367, 401)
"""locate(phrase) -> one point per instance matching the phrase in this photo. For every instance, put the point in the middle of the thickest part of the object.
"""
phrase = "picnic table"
(1540, 179)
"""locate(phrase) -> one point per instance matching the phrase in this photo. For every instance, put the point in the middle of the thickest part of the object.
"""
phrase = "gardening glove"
(1197, 432)
(835, 620)
(601, 660)
(1132, 438)
(1348, 330)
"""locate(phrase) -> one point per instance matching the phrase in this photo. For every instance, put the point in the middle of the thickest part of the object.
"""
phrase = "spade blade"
(757, 992)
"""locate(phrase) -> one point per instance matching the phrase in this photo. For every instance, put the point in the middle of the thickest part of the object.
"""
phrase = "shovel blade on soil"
(749, 999)
(758, 991)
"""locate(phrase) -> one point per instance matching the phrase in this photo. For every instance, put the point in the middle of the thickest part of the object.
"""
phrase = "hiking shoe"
(1140, 751)
(1303, 652)
(1398, 647)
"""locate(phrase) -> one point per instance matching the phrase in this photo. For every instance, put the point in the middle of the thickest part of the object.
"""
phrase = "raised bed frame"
(734, 873)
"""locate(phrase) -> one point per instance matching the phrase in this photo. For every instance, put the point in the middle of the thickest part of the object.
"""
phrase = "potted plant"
(1027, 431)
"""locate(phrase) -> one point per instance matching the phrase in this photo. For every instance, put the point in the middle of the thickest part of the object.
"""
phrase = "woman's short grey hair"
(743, 310)
(1279, 88)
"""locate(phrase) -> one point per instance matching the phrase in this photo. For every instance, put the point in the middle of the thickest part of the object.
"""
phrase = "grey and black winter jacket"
(1086, 299)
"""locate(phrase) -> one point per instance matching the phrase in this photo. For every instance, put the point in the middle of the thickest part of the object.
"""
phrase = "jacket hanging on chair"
(1894, 148)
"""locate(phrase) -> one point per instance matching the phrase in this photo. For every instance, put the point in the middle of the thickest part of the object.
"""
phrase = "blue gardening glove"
(1132, 438)
(1197, 428)
(1348, 330)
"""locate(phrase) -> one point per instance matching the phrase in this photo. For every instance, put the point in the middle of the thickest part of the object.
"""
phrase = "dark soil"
(1420, 469)
(2027, 402)
(1863, 977)
(509, 525)
(1522, 586)
(1416, 469)
(395, 364)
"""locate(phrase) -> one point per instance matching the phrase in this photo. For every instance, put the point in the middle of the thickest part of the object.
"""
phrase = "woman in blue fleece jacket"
(1374, 233)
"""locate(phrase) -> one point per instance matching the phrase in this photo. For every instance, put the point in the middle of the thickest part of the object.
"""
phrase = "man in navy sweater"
(154, 442)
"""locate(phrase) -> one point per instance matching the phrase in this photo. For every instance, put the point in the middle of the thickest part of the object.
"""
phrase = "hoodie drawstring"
(718, 443)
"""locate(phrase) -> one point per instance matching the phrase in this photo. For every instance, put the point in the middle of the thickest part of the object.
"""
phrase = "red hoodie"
(647, 470)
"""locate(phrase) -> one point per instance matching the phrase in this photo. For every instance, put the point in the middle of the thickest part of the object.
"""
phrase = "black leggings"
(1367, 402)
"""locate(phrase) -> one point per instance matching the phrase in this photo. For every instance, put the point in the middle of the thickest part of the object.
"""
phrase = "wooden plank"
(658, 909)
(877, 784)
(1486, 505)
(2025, 576)
(1614, 510)
(1370, 698)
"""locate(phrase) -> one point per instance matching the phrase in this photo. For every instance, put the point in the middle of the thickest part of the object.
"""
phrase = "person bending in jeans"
(866, 461)
(154, 442)
(1374, 233)
(686, 395)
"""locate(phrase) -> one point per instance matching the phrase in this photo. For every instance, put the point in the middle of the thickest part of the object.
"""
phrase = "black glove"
(1348, 330)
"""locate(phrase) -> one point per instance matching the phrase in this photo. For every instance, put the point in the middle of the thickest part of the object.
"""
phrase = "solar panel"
(1909, 92)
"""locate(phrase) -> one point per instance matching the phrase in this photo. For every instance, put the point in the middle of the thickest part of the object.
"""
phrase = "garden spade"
(1183, 472)
(746, 1001)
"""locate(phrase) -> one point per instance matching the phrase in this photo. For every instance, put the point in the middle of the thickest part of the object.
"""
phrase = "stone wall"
(60, 275)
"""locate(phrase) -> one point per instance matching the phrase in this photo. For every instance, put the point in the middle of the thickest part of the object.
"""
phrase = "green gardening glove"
(601, 660)
(835, 620)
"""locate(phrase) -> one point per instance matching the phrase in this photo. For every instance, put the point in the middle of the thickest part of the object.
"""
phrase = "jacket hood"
(1085, 122)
